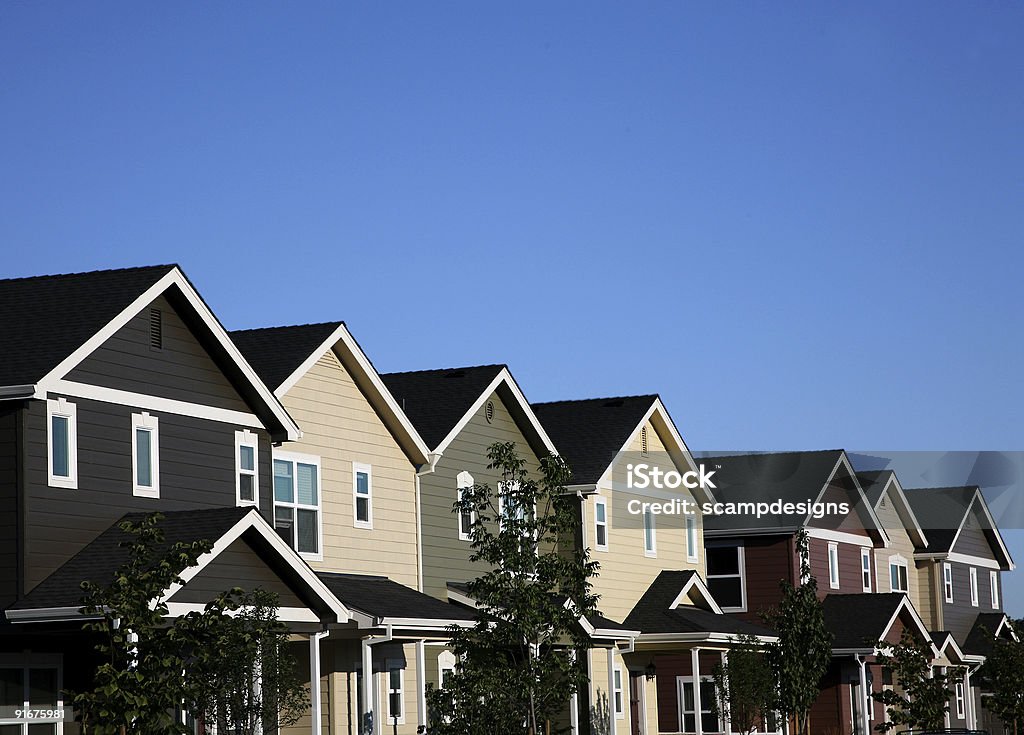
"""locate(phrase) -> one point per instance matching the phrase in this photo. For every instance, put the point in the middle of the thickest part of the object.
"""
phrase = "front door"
(636, 695)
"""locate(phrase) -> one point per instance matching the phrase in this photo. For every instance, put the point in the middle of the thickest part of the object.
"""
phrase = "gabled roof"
(282, 355)
(377, 601)
(884, 483)
(859, 621)
(52, 323)
(59, 595)
(943, 512)
(440, 402)
(946, 644)
(658, 613)
(978, 641)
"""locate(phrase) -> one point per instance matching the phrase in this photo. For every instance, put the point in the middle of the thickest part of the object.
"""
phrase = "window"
(687, 706)
(691, 539)
(833, 565)
(145, 455)
(601, 524)
(993, 584)
(650, 542)
(865, 569)
(960, 700)
(617, 697)
(466, 518)
(947, 581)
(31, 682)
(726, 576)
(898, 574)
(247, 481)
(362, 495)
(445, 666)
(974, 586)
(395, 692)
(62, 443)
(297, 502)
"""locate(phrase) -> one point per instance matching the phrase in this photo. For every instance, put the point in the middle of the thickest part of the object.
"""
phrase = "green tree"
(745, 687)
(803, 652)
(1003, 674)
(920, 697)
(516, 668)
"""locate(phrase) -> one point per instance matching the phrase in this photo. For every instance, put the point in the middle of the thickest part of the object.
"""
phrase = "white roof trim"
(696, 581)
(922, 628)
(845, 462)
(907, 513)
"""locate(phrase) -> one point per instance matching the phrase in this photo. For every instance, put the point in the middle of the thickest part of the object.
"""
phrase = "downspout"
(420, 472)
(368, 680)
(315, 703)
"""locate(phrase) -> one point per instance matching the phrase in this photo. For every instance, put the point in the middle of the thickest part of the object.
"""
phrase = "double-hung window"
(618, 696)
(865, 569)
(395, 692)
(898, 574)
(466, 517)
(62, 443)
(247, 481)
(601, 524)
(362, 495)
(833, 565)
(993, 585)
(947, 581)
(297, 502)
(145, 455)
(960, 700)
(31, 702)
(688, 705)
(691, 539)
(974, 586)
(726, 576)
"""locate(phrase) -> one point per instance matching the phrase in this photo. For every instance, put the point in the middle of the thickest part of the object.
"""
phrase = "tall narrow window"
(297, 502)
(960, 700)
(993, 585)
(396, 692)
(62, 441)
(617, 695)
(865, 569)
(650, 539)
(898, 574)
(247, 483)
(833, 565)
(145, 455)
(466, 518)
(601, 524)
(947, 581)
(974, 586)
(362, 488)
(691, 539)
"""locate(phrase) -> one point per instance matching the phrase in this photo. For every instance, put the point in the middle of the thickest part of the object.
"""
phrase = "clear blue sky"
(801, 223)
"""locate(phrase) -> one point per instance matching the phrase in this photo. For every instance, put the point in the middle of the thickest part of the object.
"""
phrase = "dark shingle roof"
(940, 511)
(787, 476)
(859, 620)
(100, 559)
(277, 352)
(873, 483)
(44, 319)
(385, 598)
(589, 433)
(435, 400)
(653, 614)
(978, 641)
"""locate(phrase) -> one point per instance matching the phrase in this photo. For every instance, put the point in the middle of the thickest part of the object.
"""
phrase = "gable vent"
(644, 449)
(156, 329)
(489, 411)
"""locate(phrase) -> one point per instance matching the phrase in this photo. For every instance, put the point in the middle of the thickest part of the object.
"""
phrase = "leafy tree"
(515, 667)
(921, 698)
(1003, 673)
(745, 688)
(803, 652)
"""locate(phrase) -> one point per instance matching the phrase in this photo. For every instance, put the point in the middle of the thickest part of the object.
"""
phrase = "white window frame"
(357, 468)
(146, 422)
(650, 530)
(947, 581)
(310, 459)
(618, 694)
(974, 586)
(691, 540)
(993, 582)
(60, 407)
(681, 711)
(247, 438)
(833, 565)
(35, 661)
(599, 524)
(464, 481)
(865, 569)
(741, 566)
(393, 664)
(899, 561)
(959, 696)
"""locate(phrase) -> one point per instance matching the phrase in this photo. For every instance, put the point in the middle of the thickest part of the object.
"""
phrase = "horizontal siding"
(236, 566)
(902, 545)
(958, 616)
(972, 539)
(8, 503)
(767, 560)
(850, 580)
(182, 370)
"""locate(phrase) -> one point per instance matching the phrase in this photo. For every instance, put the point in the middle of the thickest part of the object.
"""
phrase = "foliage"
(1003, 674)
(516, 667)
(921, 696)
(745, 689)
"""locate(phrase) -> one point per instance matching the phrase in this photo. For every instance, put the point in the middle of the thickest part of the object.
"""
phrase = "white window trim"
(898, 561)
(247, 438)
(618, 705)
(36, 661)
(358, 467)
(681, 681)
(741, 565)
(390, 665)
(974, 586)
(865, 556)
(464, 480)
(65, 409)
(146, 422)
(691, 540)
(600, 501)
(947, 581)
(833, 565)
(312, 459)
(959, 695)
(993, 582)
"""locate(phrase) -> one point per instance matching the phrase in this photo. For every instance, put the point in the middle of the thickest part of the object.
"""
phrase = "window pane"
(42, 691)
(12, 687)
(245, 487)
(648, 531)
(601, 510)
(247, 458)
(602, 535)
(466, 519)
(396, 678)
(362, 483)
(691, 537)
(284, 522)
(61, 440)
(688, 698)
(709, 721)
(690, 723)
(903, 579)
(144, 457)
(284, 486)
(723, 560)
(363, 510)
(894, 576)
(305, 479)
(41, 729)
(618, 679)
(395, 705)
(10, 729)
(307, 532)
(727, 591)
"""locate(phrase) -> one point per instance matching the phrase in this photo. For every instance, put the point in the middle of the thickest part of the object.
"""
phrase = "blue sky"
(800, 223)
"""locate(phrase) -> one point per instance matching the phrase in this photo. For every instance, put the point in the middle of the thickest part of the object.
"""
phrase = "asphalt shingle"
(277, 352)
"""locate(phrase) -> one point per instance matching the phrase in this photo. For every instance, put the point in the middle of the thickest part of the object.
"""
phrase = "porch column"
(574, 702)
(968, 700)
(368, 685)
(945, 717)
(421, 684)
(726, 720)
(315, 705)
(612, 723)
(695, 669)
(865, 718)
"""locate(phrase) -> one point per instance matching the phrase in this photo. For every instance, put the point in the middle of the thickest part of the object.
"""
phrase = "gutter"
(13, 392)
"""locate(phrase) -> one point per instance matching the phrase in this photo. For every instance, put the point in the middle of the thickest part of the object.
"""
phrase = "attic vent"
(489, 411)
(156, 329)
(644, 449)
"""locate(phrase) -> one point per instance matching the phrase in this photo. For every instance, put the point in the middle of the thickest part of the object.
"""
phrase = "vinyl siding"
(197, 470)
(959, 615)
(182, 370)
(925, 603)
(8, 503)
(767, 561)
(972, 539)
(341, 427)
(849, 567)
(237, 566)
(901, 544)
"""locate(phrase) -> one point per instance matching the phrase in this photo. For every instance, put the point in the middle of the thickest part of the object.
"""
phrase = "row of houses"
(332, 485)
